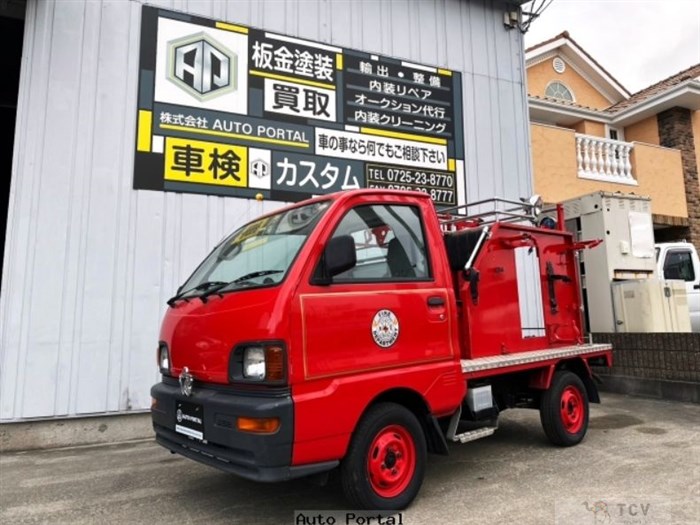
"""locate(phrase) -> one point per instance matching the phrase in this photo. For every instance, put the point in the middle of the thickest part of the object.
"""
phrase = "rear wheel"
(564, 409)
(385, 464)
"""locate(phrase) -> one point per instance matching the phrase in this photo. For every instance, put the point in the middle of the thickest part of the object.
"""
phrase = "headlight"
(254, 363)
(163, 359)
(259, 362)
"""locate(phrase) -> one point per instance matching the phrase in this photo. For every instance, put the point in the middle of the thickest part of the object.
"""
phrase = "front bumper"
(259, 457)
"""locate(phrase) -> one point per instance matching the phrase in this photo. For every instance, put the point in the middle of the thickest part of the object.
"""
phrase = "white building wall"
(89, 262)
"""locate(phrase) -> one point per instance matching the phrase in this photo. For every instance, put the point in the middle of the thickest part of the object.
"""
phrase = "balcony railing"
(605, 160)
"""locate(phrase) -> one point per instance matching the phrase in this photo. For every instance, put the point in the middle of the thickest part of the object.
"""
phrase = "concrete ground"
(640, 463)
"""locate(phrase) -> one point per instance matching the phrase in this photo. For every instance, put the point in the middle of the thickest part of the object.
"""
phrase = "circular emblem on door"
(385, 328)
(179, 415)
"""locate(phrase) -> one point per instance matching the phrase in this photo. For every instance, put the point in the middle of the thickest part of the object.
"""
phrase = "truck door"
(683, 264)
(388, 311)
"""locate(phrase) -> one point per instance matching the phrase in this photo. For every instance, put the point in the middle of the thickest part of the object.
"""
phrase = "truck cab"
(679, 261)
(361, 330)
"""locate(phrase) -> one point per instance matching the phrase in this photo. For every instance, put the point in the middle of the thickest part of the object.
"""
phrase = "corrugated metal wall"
(89, 262)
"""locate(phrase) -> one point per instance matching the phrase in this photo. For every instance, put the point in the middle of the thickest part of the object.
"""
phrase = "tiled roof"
(568, 103)
(565, 34)
(664, 85)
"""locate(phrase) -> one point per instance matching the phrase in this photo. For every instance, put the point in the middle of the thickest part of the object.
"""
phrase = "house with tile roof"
(588, 133)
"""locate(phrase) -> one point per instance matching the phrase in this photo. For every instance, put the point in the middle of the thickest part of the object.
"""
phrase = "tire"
(385, 463)
(564, 409)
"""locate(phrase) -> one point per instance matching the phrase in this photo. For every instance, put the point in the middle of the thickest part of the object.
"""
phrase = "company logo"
(385, 328)
(181, 416)
(202, 67)
(186, 380)
(259, 168)
(599, 510)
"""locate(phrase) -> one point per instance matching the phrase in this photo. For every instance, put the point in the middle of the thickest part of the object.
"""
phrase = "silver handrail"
(482, 238)
(499, 213)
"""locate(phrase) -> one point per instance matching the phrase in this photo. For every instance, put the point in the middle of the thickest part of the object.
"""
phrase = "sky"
(638, 42)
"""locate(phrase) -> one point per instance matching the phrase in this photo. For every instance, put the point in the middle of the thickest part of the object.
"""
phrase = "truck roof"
(672, 244)
(348, 194)
(378, 191)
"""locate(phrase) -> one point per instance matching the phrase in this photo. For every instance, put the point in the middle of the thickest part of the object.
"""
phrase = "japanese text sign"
(225, 109)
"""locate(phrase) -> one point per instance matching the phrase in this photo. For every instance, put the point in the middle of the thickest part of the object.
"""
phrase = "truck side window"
(679, 265)
(389, 244)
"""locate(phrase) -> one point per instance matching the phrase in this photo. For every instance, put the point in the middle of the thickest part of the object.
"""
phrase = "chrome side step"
(473, 435)
(466, 437)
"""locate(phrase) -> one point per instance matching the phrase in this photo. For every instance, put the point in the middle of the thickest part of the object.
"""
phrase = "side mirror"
(339, 255)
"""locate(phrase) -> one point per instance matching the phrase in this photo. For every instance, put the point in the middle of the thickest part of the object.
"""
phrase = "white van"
(679, 260)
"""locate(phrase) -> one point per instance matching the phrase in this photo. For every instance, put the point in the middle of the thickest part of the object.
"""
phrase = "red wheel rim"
(572, 409)
(391, 461)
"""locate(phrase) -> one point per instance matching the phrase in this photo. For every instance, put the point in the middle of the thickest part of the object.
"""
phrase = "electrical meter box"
(651, 305)
(624, 223)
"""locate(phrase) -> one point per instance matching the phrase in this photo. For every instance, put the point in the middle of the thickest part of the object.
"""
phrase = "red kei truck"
(361, 330)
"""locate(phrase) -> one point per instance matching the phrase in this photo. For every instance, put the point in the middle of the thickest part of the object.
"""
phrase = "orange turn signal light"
(274, 363)
(263, 425)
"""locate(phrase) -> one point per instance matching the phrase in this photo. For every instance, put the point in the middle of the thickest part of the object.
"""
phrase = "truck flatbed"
(473, 367)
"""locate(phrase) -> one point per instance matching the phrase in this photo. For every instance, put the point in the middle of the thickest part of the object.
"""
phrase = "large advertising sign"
(225, 109)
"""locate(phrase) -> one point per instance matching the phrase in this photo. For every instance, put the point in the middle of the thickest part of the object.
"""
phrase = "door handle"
(436, 301)
(696, 287)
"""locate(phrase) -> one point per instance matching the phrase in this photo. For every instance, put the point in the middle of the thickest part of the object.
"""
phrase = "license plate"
(189, 419)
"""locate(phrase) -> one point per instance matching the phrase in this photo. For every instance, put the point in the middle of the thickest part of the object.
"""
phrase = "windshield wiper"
(253, 275)
(214, 287)
(219, 289)
(202, 286)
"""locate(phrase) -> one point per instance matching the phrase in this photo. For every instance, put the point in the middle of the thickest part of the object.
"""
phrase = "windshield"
(259, 253)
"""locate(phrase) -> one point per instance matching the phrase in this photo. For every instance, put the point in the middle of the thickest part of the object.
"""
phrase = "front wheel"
(564, 409)
(385, 464)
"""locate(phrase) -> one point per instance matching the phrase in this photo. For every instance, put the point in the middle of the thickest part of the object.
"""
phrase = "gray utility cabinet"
(625, 225)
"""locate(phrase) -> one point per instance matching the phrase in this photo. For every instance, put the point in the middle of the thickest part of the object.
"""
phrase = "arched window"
(560, 91)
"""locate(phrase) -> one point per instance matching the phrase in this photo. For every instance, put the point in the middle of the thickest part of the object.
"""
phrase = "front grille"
(248, 390)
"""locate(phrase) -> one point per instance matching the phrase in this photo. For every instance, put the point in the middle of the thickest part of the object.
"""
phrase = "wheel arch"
(581, 368)
(564, 409)
(416, 403)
